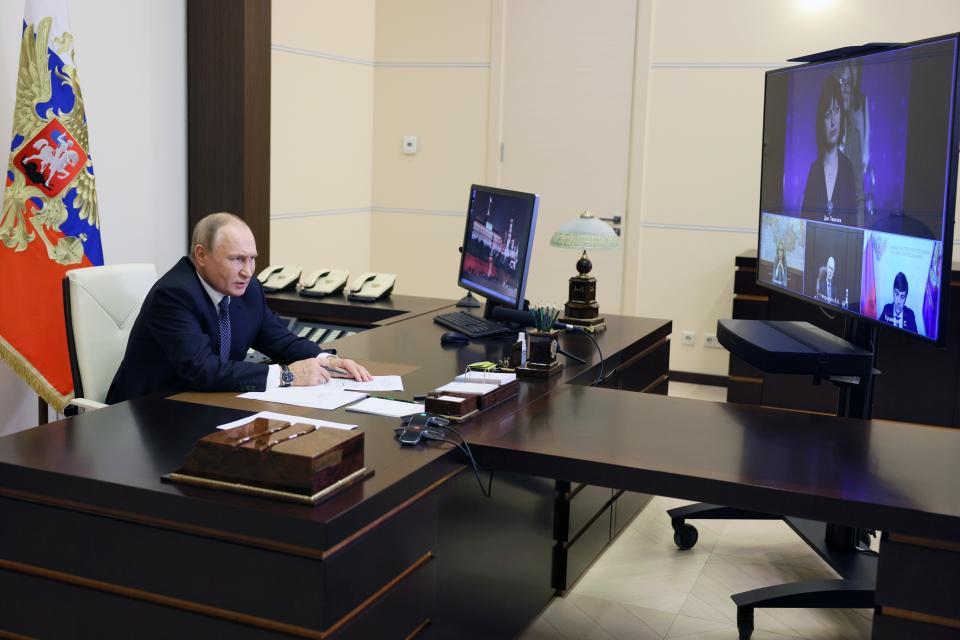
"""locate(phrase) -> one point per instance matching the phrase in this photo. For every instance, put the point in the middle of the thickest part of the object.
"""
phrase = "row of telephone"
(366, 287)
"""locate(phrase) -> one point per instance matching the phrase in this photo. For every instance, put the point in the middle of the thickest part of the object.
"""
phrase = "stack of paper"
(270, 415)
(318, 397)
(389, 408)
(379, 383)
(330, 395)
(475, 388)
(486, 377)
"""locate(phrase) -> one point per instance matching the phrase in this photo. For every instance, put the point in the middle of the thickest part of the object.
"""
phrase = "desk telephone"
(368, 287)
(322, 282)
(278, 277)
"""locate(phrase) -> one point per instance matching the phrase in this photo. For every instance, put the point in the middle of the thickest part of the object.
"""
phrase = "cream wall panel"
(687, 276)
(447, 110)
(704, 144)
(329, 241)
(421, 250)
(771, 31)
(335, 27)
(433, 31)
(321, 134)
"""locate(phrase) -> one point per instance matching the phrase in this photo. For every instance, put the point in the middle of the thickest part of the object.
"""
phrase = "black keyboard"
(470, 325)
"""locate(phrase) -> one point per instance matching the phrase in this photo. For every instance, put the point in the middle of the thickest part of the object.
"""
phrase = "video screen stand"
(803, 349)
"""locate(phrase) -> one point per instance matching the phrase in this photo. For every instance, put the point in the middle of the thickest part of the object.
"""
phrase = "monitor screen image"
(497, 243)
(858, 183)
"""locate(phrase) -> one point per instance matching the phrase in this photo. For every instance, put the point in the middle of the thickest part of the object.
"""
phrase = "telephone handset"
(368, 287)
(277, 277)
(322, 282)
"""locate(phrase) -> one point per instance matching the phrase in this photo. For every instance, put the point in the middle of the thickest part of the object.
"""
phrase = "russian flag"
(868, 281)
(50, 221)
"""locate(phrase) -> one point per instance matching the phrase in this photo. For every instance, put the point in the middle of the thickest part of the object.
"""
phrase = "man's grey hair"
(205, 231)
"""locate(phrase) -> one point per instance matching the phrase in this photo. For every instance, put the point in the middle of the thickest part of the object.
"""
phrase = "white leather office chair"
(100, 305)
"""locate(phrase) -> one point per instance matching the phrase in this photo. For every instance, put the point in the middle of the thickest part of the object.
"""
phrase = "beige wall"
(350, 79)
(435, 69)
(695, 187)
(432, 77)
(322, 133)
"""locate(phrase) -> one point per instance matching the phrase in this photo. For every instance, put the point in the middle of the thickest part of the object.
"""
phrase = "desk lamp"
(582, 233)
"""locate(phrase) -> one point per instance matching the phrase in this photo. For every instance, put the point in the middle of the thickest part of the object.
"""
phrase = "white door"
(562, 111)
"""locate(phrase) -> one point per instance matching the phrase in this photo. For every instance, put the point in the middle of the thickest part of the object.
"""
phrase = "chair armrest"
(87, 405)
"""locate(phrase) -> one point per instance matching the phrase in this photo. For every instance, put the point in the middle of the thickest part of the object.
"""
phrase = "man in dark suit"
(828, 286)
(199, 319)
(898, 313)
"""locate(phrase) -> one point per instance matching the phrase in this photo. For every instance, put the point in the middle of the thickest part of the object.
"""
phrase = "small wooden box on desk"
(274, 458)
(461, 406)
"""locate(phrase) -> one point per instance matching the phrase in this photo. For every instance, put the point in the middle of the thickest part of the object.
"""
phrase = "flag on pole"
(49, 223)
(868, 280)
(931, 294)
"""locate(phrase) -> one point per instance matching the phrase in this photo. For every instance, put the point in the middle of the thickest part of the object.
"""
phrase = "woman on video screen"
(829, 195)
(780, 266)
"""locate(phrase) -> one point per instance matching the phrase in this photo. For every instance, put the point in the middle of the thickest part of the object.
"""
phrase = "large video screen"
(497, 243)
(858, 183)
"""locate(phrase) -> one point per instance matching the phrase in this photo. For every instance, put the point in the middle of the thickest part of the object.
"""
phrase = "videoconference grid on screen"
(497, 243)
(855, 181)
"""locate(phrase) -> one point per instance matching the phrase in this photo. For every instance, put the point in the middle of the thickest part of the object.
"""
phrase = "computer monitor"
(858, 183)
(497, 243)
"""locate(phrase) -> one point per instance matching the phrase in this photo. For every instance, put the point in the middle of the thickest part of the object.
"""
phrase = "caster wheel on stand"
(684, 535)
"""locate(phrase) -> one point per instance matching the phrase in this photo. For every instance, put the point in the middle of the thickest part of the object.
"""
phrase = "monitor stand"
(468, 301)
(801, 348)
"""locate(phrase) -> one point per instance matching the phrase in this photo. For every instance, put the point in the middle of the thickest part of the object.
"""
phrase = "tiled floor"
(644, 588)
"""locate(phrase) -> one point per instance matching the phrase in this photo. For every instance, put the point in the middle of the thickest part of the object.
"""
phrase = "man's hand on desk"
(312, 371)
(336, 367)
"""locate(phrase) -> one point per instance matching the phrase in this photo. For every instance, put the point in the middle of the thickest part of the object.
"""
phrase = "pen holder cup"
(542, 347)
(541, 354)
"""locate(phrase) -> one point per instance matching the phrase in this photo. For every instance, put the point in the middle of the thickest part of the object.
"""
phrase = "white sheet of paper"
(486, 377)
(319, 397)
(478, 388)
(379, 383)
(291, 419)
(389, 408)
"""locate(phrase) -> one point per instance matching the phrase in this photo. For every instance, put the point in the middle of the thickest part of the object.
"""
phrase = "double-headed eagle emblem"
(49, 168)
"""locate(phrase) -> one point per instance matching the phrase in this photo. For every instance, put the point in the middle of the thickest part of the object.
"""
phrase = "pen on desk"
(337, 370)
(394, 399)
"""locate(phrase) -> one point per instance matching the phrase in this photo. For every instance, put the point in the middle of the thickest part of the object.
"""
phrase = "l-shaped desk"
(92, 543)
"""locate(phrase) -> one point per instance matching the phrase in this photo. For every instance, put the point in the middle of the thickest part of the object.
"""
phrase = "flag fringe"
(37, 382)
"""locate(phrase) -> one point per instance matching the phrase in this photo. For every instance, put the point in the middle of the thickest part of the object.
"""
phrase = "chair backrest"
(101, 304)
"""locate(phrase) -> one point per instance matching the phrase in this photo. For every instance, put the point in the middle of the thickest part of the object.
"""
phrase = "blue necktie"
(224, 314)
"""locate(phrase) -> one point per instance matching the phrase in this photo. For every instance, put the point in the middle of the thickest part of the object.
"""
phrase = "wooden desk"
(91, 535)
(89, 527)
(896, 477)
(339, 309)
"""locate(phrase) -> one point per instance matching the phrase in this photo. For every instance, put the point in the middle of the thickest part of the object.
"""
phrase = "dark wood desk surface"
(112, 459)
(108, 463)
(885, 475)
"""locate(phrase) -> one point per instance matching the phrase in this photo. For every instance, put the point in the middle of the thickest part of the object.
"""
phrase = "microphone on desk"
(525, 318)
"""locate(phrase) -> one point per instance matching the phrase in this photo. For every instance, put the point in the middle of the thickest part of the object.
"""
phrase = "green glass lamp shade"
(585, 232)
